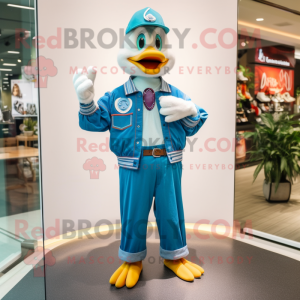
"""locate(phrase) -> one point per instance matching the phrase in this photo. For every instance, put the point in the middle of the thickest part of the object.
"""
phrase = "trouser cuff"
(174, 254)
(132, 257)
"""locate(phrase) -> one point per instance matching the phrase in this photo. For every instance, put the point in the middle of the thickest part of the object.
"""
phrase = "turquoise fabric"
(139, 20)
(156, 177)
(126, 129)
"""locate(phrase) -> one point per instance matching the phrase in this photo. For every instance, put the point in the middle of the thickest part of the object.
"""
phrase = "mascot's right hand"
(84, 85)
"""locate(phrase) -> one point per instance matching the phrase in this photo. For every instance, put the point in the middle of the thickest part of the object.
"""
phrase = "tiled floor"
(280, 219)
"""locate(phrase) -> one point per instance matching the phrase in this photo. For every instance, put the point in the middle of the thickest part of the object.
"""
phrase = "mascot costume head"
(146, 46)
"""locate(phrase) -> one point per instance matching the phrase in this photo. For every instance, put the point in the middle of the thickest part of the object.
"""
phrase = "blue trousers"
(155, 178)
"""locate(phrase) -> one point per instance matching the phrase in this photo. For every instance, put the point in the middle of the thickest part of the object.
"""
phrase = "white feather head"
(131, 49)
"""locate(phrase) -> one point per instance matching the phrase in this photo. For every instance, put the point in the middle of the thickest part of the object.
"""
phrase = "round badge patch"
(123, 105)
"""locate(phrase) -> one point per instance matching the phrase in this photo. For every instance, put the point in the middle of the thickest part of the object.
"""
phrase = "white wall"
(68, 193)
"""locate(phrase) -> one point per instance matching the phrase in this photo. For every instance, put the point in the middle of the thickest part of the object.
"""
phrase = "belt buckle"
(154, 154)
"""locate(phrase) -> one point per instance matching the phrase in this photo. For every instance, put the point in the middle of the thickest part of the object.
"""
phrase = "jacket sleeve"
(190, 124)
(94, 117)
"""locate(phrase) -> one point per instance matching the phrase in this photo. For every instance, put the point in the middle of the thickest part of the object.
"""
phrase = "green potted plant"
(276, 144)
(29, 129)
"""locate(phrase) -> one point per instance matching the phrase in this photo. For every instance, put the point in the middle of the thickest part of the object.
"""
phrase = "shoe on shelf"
(263, 107)
(279, 97)
(239, 111)
(244, 119)
(238, 120)
(262, 97)
(287, 97)
(278, 107)
(241, 77)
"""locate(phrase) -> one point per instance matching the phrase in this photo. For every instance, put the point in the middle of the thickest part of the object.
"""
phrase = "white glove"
(84, 85)
(176, 108)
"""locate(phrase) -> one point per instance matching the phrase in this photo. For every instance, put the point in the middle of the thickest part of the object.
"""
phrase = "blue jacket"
(121, 112)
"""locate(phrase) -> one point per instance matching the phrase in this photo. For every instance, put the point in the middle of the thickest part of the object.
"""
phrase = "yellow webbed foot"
(179, 269)
(134, 272)
(188, 263)
(196, 273)
(113, 279)
(127, 273)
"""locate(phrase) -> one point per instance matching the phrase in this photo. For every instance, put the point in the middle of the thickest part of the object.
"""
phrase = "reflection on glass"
(20, 208)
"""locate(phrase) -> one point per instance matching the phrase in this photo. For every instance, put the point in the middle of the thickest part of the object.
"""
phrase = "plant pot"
(6, 115)
(282, 194)
(28, 133)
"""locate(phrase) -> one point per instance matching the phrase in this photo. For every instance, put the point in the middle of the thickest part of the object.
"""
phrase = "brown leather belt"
(156, 152)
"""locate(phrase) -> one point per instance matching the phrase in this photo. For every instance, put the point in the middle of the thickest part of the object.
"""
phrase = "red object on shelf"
(273, 80)
(256, 109)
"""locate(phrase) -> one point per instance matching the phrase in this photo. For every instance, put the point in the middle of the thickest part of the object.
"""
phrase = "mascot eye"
(141, 41)
(158, 42)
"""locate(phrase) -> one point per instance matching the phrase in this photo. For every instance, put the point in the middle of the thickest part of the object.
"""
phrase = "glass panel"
(20, 201)
(268, 86)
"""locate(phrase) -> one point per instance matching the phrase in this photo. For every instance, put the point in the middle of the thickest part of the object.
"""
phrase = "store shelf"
(7, 123)
(243, 127)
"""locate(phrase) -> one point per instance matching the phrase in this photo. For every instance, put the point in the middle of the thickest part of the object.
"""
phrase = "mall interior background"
(260, 26)
(273, 33)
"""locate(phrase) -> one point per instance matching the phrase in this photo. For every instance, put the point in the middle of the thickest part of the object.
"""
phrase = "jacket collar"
(130, 88)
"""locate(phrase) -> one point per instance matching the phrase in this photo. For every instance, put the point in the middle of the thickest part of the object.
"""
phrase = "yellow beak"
(150, 61)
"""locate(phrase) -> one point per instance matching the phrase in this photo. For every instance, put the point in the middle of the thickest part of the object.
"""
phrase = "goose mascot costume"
(149, 121)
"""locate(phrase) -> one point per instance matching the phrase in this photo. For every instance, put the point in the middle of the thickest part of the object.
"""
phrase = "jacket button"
(138, 126)
(138, 109)
(137, 142)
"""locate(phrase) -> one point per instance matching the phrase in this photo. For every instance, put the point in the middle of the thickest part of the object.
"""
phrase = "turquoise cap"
(146, 17)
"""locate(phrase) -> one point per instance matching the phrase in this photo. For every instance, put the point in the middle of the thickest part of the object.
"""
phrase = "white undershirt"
(152, 131)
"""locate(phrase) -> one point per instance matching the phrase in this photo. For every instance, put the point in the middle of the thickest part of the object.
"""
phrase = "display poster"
(22, 98)
(273, 80)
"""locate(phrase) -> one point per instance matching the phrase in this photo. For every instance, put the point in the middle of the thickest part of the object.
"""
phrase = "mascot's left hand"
(176, 108)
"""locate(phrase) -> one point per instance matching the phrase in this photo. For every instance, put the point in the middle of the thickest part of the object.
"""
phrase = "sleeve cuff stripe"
(88, 110)
(87, 114)
(190, 123)
(82, 105)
